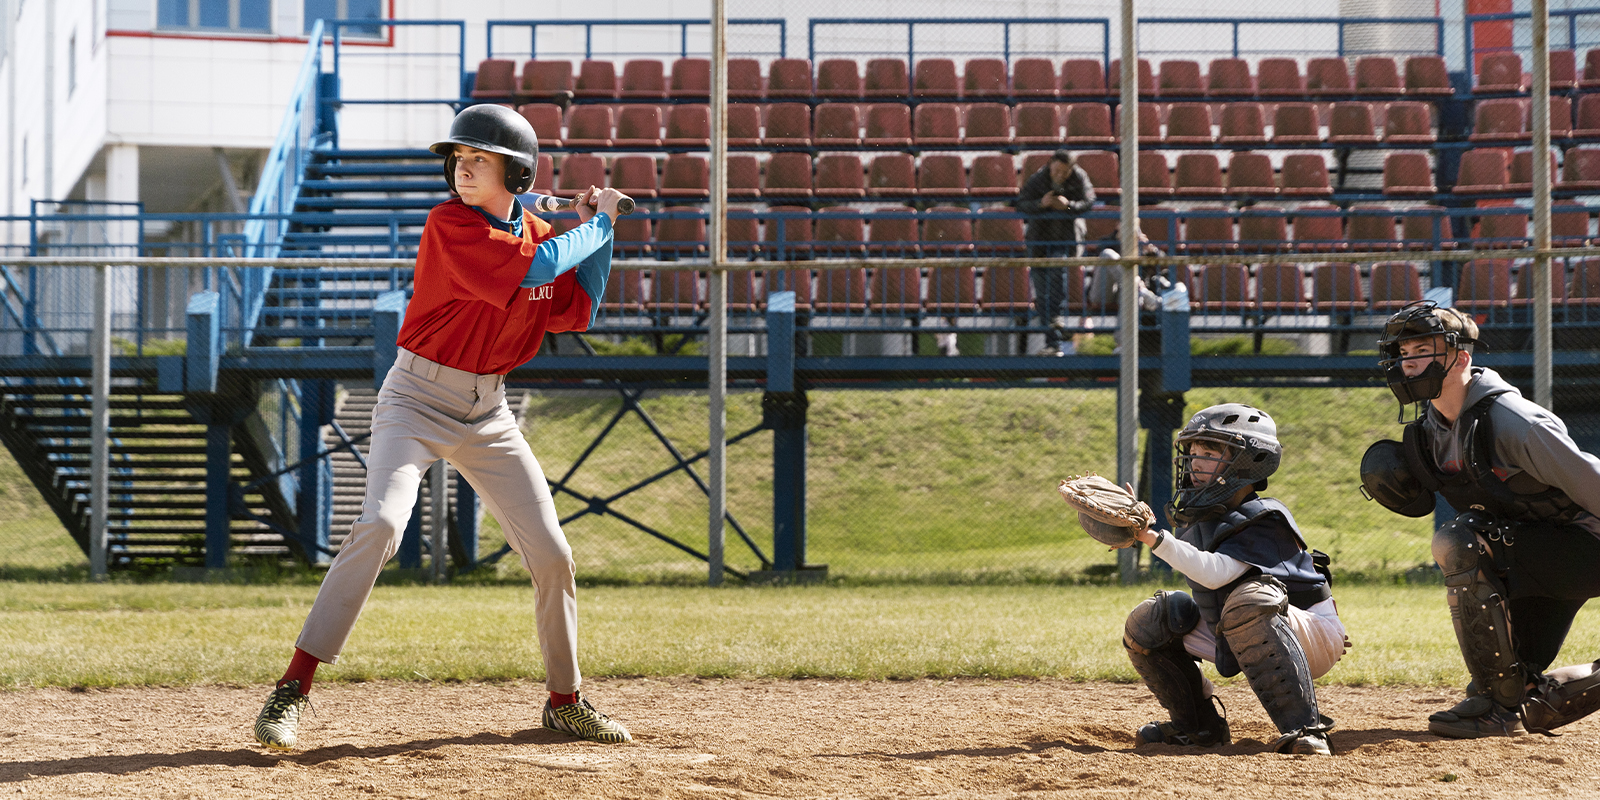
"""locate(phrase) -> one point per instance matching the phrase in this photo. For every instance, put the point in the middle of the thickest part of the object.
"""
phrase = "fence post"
(100, 425)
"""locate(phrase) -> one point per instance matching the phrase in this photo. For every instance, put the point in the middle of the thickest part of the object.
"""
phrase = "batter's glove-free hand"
(1109, 513)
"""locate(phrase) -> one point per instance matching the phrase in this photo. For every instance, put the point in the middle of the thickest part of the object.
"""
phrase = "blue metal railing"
(1340, 24)
(588, 27)
(337, 98)
(1567, 39)
(815, 49)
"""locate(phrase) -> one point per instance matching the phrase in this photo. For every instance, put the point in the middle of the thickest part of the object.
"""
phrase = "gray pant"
(427, 411)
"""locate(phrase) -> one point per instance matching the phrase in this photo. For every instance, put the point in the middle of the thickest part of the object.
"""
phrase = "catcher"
(1261, 602)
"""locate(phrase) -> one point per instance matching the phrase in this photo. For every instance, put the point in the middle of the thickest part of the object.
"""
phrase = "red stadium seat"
(596, 79)
(1155, 177)
(1588, 116)
(1149, 123)
(985, 77)
(632, 237)
(1326, 77)
(639, 126)
(1499, 120)
(496, 79)
(1280, 77)
(1428, 76)
(546, 121)
(998, 233)
(743, 297)
(1038, 123)
(1180, 78)
(1351, 123)
(1229, 77)
(1426, 227)
(789, 229)
(686, 176)
(947, 232)
(1580, 169)
(1569, 225)
(1250, 175)
(789, 78)
(1006, 290)
(544, 175)
(1296, 123)
(644, 79)
(1263, 230)
(788, 125)
(1101, 167)
(688, 125)
(1407, 173)
(791, 280)
(941, 176)
(1208, 231)
(1394, 284)
(995, 175)
(788, 176)
(894, 234)
(1036, 78)
(744, 230)
(1319, 228)
(936, 125)
(1408, 123)
(1502, 231)
(1089, 123)
(841, 175)
(896, 290)
(675, 293)
(1189, 123)
(1560, 117)
(1222, 288)
(1336, 287)
(1080, 77)
(1585, 286)
(839, 78)
(1522, 172)
(544, 79)
(988, 125)
(838, 125)
(888, 125)
(635, 176)
(1372, 228)
(1591, 70)
(841, 233)
(936, 77)
(589, 126)
(744, 125)
(887, 77)
(1483, 285)
(1501, 72)
(691, 79)
(744, 79)
(1306, 175)
(1281, 289)
(1197, 175)
(744, 177)
(951, 290)
(1147, 78)
(1484, 170)
(1563, 71)
(892, 175)
(1243, 124)
(1376, 75)
(624, 293)
(1558, 284)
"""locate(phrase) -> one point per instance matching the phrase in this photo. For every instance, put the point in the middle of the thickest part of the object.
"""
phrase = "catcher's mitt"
(1107, 512)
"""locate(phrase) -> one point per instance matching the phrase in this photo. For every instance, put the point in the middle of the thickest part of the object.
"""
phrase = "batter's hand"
(584, 205)
(607, 203)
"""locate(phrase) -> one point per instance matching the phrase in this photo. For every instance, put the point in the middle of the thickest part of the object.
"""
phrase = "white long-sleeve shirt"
(1211, 570)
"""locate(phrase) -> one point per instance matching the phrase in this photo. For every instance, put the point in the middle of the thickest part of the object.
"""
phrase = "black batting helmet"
(496, 129)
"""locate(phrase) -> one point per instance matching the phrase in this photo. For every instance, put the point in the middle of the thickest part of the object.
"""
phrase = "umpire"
(1523, 556)
(1055, 198)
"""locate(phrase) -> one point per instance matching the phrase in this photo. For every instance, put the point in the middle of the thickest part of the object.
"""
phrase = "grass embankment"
(125, 634)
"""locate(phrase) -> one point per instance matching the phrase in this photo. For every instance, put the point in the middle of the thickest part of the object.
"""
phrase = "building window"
(346, 10)
(241, 16)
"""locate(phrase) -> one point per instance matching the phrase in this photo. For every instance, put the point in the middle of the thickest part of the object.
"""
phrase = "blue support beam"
(466, 538)
(219, 490)
(784, 411)
(411, 540)
(203, 353)
(314, 507)
(388, 314)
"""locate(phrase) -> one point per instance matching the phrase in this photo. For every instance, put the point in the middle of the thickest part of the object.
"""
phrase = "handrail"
(911, 24)
(1340, 22)
(279, 186)
(1571, 14)
(588, 26)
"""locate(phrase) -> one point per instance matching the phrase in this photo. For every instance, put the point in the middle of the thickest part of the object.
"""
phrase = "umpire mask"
(1249, 434)
(1421, 320)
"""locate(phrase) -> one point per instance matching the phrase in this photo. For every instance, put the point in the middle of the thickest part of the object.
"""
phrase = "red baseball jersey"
(467, 310)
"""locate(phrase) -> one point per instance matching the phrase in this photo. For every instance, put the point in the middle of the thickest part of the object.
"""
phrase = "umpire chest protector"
(1264, 535)
(1476, 487)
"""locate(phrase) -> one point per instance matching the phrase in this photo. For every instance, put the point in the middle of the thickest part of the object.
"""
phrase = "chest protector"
(1476, 487)
(1271, 529)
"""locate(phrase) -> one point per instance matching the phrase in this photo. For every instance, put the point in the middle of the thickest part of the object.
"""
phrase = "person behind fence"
(491, 280)
(1261, 601)
(1054, 199)
(1522, 556)
(1102, 292)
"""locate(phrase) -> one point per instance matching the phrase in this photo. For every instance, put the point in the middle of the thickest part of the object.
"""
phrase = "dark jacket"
(1054, 225)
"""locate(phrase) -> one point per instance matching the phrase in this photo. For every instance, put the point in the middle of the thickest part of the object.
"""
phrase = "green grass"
(54, 634)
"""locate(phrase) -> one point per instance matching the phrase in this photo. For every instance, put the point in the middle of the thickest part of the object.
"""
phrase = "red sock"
(558, 699)
(301, 668)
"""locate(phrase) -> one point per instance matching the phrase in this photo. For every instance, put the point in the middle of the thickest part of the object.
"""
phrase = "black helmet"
(1386, 478)
(496, 129)
(1252, 437)
(1420, 320)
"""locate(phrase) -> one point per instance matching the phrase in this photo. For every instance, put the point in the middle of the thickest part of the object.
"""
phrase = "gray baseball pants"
(427, 411)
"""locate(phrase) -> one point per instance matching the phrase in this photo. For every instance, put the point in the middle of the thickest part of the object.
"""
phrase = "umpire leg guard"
(1561, 696)
(1483, 629)
(1153, 638)
(1256, 625)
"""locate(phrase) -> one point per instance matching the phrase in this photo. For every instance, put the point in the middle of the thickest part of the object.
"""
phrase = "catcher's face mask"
(1222, 450)
(1206, 460)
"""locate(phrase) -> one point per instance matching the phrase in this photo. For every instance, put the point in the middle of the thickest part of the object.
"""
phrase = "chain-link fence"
(1298, 182)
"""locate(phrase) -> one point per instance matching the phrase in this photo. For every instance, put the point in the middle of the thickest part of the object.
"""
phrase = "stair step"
(380, 168)
(376, 154)
(368, 294)
(334, 203)
(435, 186)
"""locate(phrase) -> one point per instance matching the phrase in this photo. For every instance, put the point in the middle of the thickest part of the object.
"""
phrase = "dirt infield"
(727, 739)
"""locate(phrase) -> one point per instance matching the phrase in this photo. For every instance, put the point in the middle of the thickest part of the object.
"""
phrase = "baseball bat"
(545, 204)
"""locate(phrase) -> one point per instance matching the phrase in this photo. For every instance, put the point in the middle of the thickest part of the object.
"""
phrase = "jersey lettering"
(545, 292)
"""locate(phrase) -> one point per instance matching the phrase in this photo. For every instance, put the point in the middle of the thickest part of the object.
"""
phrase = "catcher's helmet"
(1386, 478)
(496, 129)
(1421, 320)
(1248, 433)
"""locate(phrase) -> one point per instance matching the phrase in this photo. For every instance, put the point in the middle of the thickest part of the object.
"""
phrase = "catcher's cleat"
(1214, 730)
(1476, 717)
(580, 719)
(280, 718)
(1304, 744)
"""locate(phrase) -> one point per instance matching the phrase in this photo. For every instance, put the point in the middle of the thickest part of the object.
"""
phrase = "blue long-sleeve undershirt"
(582, 246)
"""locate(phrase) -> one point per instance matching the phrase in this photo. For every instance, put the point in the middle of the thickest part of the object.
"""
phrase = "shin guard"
(1254, 622)
(1479, 612)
